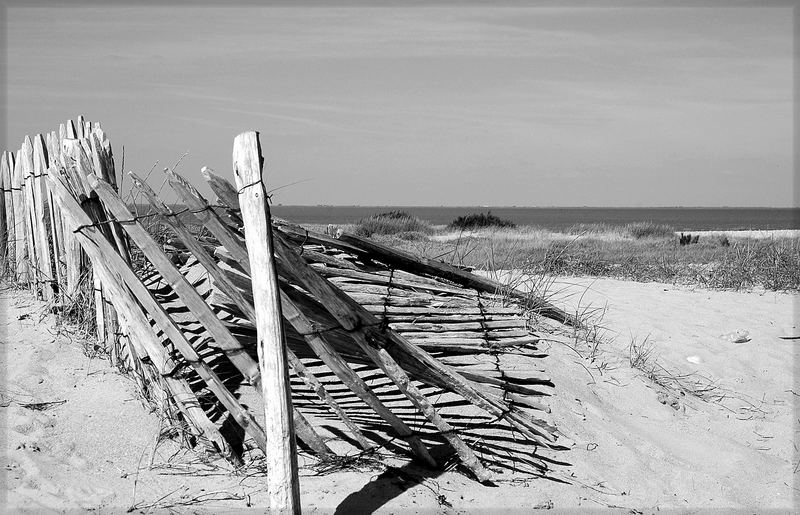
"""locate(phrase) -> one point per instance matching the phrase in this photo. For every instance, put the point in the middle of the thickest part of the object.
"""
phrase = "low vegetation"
(480, 221)
(635, 230)
(643, 251)
(392, 223)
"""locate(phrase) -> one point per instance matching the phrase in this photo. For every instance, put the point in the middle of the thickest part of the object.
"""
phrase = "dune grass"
(480, 221)
(393, 223)
(639, 251)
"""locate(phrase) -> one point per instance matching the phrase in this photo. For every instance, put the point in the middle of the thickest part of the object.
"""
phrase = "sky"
(450, 105)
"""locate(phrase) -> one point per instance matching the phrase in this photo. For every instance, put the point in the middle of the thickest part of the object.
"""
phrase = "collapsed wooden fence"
(272, 299)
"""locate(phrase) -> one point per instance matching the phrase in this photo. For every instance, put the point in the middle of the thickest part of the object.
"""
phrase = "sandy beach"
(637, 445)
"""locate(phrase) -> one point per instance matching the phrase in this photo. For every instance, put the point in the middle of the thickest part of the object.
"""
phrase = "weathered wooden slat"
(25, 156)
(529, 426)
(117, 276)
(313, 256)
(497, 321)
(418, 264)
(71, 153)
(239, 414)
(499, 335)
(458, 326)
(395, 281)
(416, 301)
(311, 334)
(437, 311)
(20, 224)
(205, 315)
(352, 316)
(43, 238)
(6, 215)
(223, 339)
(206, 215)
(235, 295)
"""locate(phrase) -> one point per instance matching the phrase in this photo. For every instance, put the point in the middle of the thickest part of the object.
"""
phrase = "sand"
(754, 233)
(637, 445)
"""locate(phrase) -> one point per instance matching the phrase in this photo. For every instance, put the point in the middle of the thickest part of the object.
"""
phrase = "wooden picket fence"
(66, 226)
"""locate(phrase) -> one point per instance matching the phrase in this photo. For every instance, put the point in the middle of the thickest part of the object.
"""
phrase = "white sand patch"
(783, 233)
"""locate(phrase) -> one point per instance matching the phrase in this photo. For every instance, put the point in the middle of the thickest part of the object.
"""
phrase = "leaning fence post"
(282, 478)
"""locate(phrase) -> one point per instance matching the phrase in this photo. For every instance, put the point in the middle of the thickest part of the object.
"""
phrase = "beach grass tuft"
(480, 221)
(392, 222)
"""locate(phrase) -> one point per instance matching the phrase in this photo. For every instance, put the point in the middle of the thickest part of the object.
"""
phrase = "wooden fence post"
(282, 478)
(6, 168)
(25, 165)
(20, 227)
(40, 165)
(70, 149)
(56, 224)
(4, 223)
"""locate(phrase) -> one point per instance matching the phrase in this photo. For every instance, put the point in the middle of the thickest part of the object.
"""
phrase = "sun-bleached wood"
(7, 222)
(355, 319)
(106, 260)
(40, 164)
(317, 342)
(351, 315)
(228, 288)
(282, 481)
(20, 224)
(164, 322)
(206, 316)
(411, 263)
(31, 220)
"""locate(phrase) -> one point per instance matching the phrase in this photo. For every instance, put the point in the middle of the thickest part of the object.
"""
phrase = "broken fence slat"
(235, 295)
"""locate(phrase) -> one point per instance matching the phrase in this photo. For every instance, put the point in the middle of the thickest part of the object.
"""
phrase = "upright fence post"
(4, 222)
(6, 167)
(40, 165)
(56, 226)
(282, 478)
(25, 159)
(20, 226)
(70, 149)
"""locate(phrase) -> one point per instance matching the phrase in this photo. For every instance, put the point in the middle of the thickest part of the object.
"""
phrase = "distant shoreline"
(561, 219)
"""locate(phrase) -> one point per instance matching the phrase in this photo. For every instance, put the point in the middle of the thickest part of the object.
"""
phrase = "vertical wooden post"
(70, 149)
(6, 168)
(79, 125)
(20, 227)
(4, 222)
(282, 478)
(25, 158)
(56, 224)
(40, 165)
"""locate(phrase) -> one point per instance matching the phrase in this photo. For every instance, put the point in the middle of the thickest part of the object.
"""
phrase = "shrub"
(480, 220)
(391, 222)
(641, 230)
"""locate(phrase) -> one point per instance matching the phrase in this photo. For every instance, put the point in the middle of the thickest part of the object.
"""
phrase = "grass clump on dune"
(479, 221)
(641, 230)
(391, 222)
(635, 230)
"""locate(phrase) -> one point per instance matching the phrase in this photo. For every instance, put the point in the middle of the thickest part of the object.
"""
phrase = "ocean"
(559, 218)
